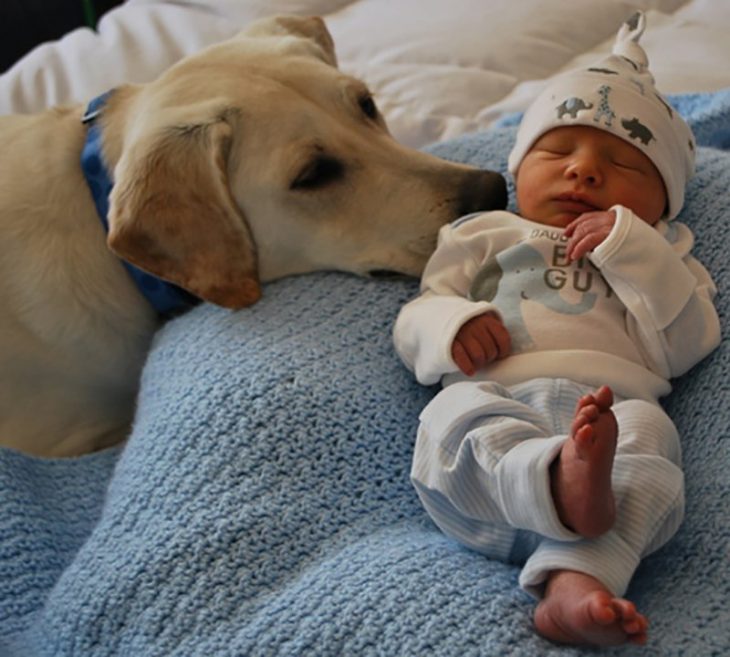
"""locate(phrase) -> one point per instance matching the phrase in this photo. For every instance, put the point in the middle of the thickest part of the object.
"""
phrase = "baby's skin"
(577, 608)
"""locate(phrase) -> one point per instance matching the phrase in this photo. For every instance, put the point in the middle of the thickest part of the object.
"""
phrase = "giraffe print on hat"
(604, 110)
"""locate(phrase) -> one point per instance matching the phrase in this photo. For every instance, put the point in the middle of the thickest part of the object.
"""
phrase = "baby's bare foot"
(578, 609)
(581, 475)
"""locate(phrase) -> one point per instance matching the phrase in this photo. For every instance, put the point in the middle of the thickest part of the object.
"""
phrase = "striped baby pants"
(481, 469)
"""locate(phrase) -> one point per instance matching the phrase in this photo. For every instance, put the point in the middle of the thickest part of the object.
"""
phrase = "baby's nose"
(585, 171)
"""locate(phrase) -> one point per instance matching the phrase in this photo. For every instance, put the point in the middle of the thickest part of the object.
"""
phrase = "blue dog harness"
(167, 299)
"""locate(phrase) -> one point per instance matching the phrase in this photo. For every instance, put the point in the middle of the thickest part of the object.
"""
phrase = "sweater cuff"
(641, 266)
(523, 480)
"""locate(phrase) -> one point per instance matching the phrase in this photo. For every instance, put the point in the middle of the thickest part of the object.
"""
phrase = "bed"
(261, 505)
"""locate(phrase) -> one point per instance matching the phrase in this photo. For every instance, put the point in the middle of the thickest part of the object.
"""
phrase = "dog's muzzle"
(482, 191)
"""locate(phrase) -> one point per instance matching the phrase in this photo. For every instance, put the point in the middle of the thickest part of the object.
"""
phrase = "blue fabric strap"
(166, 298)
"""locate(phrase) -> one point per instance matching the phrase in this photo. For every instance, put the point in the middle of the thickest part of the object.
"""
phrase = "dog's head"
(258, 158)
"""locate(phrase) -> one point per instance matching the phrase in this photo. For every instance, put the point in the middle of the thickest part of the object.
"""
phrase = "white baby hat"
(617, 95)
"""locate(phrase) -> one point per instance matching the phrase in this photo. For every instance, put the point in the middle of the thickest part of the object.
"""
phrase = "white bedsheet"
(437, 68)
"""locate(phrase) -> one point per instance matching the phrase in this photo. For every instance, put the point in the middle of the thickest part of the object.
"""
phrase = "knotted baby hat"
(617, 95)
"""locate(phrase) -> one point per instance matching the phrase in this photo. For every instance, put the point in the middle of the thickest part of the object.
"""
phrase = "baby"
(554, 333)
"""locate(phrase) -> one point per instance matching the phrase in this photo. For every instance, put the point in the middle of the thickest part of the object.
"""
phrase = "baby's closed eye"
(626, 161)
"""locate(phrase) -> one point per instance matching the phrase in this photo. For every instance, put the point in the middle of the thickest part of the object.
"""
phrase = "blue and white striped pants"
(481, 468)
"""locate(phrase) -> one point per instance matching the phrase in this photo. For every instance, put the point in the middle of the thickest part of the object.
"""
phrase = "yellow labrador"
(252, 160)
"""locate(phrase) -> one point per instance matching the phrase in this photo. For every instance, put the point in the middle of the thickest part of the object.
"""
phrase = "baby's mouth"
(575, 203)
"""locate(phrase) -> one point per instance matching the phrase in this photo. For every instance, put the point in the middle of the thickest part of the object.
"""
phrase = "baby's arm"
(426, 328)
(668, 293)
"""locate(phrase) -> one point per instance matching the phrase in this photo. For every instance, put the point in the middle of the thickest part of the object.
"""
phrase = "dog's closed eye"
(317, 173)
(368, 106)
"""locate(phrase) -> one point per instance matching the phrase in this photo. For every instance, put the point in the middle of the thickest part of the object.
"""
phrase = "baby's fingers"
(580, 219)
(462, 359)
(479, 348)
(481, 340)
(501, 337)
(579, 247)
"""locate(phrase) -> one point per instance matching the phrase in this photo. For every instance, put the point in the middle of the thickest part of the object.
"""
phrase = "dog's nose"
(483, 190)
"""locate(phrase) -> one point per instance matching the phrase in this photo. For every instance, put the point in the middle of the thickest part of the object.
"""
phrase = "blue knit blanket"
(262, 504)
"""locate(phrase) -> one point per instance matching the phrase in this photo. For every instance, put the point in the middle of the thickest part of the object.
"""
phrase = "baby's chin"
(555, 220)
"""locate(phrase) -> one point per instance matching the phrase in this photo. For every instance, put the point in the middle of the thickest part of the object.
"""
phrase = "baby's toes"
(601, 610)
(637, 638)
(604, 397)
(583, 441)
(626, 610)
(585, 400)
(633, 627)
(638, 625)
(585, 415)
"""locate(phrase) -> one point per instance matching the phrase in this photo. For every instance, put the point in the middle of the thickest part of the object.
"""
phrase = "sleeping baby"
(554, 334)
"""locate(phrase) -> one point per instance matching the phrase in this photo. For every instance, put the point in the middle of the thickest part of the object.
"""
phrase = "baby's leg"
(582, 583)
(464, 433)
(578, 609)
(482, 460)
(581, 475)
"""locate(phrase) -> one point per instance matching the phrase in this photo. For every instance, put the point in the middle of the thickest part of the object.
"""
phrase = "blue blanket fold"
(262, 504)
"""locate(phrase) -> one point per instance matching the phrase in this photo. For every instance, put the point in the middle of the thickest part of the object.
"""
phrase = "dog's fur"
(253, 160)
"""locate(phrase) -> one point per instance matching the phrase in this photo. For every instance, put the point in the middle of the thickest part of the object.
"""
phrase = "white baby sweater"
(633, 314)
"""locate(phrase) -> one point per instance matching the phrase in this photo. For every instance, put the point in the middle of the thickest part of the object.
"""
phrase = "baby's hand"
(479, 341)
(587, 232)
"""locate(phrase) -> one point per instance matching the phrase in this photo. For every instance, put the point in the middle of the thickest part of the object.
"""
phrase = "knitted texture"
(262, 504)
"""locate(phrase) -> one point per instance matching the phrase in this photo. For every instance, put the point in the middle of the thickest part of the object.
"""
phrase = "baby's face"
(577, 169)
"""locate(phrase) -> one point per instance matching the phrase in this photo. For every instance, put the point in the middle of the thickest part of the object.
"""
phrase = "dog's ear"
(172, 214)
(312, 28)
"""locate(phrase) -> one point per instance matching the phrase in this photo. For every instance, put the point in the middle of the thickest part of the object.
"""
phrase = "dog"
(256, 158)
